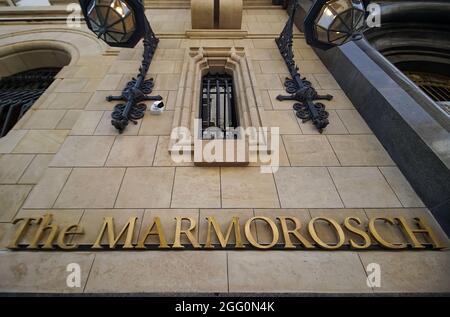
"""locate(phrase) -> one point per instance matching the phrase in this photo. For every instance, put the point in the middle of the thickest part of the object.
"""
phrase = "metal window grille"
(437, 87)
(217, 107)
(19, 92)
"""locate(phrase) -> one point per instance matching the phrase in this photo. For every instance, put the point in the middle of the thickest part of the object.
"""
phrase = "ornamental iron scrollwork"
(298, 88)
(136, 90)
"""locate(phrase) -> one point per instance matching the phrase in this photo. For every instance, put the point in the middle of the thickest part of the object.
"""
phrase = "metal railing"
(19, 92)
(437, 87)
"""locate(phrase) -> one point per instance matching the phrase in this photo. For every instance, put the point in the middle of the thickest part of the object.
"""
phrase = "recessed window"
(19, 92)
(217, 107)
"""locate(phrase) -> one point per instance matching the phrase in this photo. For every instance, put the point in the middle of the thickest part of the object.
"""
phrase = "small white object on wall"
(157, 108)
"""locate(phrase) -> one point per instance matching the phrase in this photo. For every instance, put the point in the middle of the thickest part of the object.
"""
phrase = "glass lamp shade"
(331, 23)
(120, 23)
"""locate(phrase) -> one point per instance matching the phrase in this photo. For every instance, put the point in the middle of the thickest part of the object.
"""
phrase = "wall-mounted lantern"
(330, 23)
(122, 23)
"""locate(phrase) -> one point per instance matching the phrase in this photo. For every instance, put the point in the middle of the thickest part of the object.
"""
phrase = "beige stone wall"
(65, 157)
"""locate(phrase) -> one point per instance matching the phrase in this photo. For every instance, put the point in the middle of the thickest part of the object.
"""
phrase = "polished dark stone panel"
(410, 135)
(416, 141)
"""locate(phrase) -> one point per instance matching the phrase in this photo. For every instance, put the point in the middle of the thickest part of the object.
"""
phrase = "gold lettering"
(178, 232)
(45, 224)
(251, 238)
(350, 227)
(212, 223)
(376, 235)
(295, 232)
(424, 228)
(108, 223)
(320, 242)
(416, 231)
(21, 231)
(69, 230)
(159, 232)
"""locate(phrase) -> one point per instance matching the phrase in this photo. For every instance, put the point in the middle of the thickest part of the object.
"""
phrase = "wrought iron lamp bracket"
(298, 88)
(136, 90)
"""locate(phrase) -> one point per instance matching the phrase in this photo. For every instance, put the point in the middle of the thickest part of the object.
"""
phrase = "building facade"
(63, 157)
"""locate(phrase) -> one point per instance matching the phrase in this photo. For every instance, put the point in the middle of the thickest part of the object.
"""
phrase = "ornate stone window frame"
(231, 60)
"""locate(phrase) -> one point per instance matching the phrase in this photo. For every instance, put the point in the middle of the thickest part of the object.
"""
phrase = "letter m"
(212, 224)
(108, 225)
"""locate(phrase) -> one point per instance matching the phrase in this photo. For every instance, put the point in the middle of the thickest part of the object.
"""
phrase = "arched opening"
(414, 36)
(24, 77)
